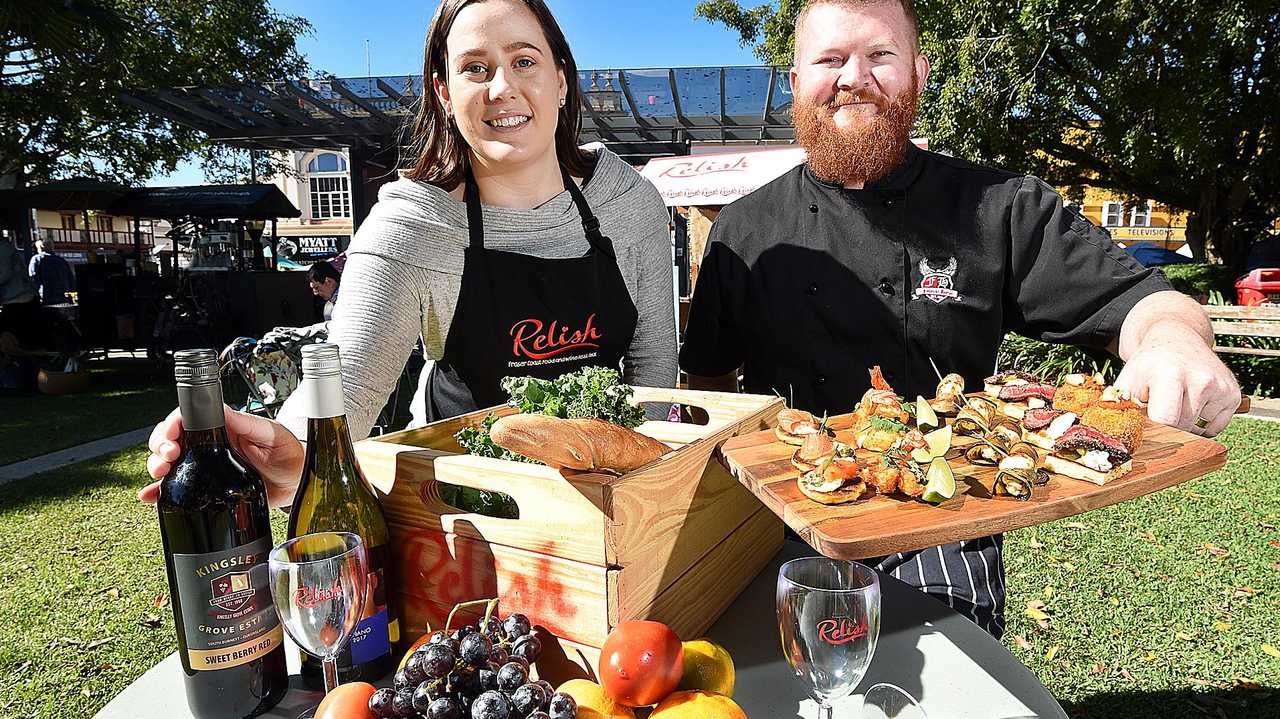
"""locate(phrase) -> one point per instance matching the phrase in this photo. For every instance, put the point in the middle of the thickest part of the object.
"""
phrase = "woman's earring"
(562, 102)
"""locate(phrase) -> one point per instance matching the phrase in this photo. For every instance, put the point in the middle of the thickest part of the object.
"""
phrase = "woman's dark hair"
(440, 151)
(322, 271)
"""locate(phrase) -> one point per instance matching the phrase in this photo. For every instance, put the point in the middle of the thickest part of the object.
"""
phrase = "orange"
(697, 705)
(593, 703)
(707, 666)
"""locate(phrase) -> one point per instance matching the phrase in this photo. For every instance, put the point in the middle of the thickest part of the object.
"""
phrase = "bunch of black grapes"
(477, 672)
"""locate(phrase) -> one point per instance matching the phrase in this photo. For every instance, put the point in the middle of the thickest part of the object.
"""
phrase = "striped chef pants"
(966, 576)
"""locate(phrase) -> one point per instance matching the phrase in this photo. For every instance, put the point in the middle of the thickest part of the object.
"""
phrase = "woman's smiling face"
(503, 86)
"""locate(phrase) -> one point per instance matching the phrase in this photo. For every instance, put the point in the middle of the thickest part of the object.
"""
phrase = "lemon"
(592, 702)
(937, 444)
(926, 418)
(707, 666)
(941, 482)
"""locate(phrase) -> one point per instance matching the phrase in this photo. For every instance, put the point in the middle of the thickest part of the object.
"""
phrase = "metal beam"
(387, 123)
(724, 119)
(307, 96)
(675, 97)
(768, 100)
(183, 103)
(599, 123)
(635, 110)
(257, 118)
(166, 113)
(392, 93)
(274, 102)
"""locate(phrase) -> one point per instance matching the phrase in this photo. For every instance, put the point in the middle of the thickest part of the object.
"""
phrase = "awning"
(244, 202)
(77, 194)
(721, 178)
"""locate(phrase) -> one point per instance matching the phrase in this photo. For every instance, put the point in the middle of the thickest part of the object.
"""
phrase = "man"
(877, 253)
(324, 279)
(52, 274)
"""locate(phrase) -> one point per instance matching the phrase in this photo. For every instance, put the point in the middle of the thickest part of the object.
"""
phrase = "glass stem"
(330, 665)
(824, 711)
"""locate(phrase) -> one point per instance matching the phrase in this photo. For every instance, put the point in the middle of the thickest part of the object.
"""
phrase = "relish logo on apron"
(536, 342)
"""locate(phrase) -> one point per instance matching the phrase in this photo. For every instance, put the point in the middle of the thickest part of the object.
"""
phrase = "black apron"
(519, 315)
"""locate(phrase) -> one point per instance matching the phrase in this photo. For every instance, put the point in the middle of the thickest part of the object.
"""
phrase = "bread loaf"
(585, 444)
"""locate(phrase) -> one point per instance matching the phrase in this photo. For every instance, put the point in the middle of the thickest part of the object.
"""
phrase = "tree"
(64, 63)
(1176, 102)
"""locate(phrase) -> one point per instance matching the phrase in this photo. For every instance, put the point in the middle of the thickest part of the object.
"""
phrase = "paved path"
(1268, 409)
(71, 455)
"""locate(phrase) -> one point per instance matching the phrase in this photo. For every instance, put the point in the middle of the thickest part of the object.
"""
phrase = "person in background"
(52, 274)
(324, 280)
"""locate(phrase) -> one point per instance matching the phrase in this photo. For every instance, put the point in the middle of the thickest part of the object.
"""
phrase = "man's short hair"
(908, 8)
(322, 271)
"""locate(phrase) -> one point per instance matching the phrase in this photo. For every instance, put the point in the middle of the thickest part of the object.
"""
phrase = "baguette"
(590, 445)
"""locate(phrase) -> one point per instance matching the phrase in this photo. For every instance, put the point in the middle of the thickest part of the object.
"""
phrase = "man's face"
(323, 290)
(855, 82)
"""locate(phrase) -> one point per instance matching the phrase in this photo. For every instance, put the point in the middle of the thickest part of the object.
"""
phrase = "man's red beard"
(863, 153)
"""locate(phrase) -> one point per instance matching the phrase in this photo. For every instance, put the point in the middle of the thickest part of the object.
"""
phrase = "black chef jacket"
(805, 284)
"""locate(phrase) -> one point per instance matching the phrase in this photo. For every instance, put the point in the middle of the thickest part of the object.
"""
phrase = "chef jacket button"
(811, 290)
(886, 288)
(813, 209)
(889, 202)
(820, 379)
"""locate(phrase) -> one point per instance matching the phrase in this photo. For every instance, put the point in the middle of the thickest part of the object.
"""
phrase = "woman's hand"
(265, 444)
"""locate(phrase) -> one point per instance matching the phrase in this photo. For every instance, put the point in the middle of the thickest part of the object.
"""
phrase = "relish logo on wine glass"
(231, 591)
(312, 597)
(840, 630)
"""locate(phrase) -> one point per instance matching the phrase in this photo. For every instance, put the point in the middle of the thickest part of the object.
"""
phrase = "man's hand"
(265, 444)
(1170, 365)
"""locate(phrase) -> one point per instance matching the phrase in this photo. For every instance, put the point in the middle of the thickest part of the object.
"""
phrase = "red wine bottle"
(216, 532)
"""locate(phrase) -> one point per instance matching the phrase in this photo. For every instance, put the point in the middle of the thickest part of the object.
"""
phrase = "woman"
(508, 248)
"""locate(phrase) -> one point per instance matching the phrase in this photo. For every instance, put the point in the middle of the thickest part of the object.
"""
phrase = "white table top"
(955, 670)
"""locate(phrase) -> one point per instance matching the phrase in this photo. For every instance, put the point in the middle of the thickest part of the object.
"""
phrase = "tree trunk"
(1212, 232)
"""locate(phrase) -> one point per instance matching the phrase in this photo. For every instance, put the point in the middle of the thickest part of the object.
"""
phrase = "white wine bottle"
(333, 496)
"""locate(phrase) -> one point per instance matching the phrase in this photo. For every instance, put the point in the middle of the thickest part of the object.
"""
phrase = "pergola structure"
(638, 113)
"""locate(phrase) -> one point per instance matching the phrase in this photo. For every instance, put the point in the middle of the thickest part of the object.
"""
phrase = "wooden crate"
(675, 541)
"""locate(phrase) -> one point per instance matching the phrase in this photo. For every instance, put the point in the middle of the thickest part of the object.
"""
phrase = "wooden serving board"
(884, 525)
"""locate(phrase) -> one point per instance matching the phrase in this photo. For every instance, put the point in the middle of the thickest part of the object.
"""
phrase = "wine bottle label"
(225, 600)
(372, 636)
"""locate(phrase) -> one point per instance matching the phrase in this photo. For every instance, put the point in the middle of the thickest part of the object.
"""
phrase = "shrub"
(1200, 280)
(1052, 362)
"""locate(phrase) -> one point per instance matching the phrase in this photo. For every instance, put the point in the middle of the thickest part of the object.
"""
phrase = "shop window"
(1112, 214)
(1140, 215)
(327, 162)
(330, 197)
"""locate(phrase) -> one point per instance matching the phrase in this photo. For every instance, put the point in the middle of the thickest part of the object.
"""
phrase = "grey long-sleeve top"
(404, 272)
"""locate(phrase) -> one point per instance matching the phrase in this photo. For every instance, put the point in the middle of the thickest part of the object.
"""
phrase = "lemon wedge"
(937, 442)
(941, 482)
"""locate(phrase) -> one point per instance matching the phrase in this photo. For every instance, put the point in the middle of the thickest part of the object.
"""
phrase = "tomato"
(347, 701)
(641, 663)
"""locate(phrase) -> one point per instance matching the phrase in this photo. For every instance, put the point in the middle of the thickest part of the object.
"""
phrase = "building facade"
(78, 236)
(320, 187)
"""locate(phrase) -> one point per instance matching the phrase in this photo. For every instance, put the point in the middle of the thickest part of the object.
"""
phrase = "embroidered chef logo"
(231, 591)
(536, 340)
(841, 630)
(937, 284)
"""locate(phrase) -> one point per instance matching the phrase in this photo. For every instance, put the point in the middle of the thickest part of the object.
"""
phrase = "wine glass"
(829, 620)
(318, 584)
(886, 701)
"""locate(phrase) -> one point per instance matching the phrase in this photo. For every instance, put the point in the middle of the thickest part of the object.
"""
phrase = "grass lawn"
(125, 394)
(1165, 607)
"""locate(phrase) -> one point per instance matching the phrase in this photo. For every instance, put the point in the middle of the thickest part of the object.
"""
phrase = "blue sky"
(602, 33)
